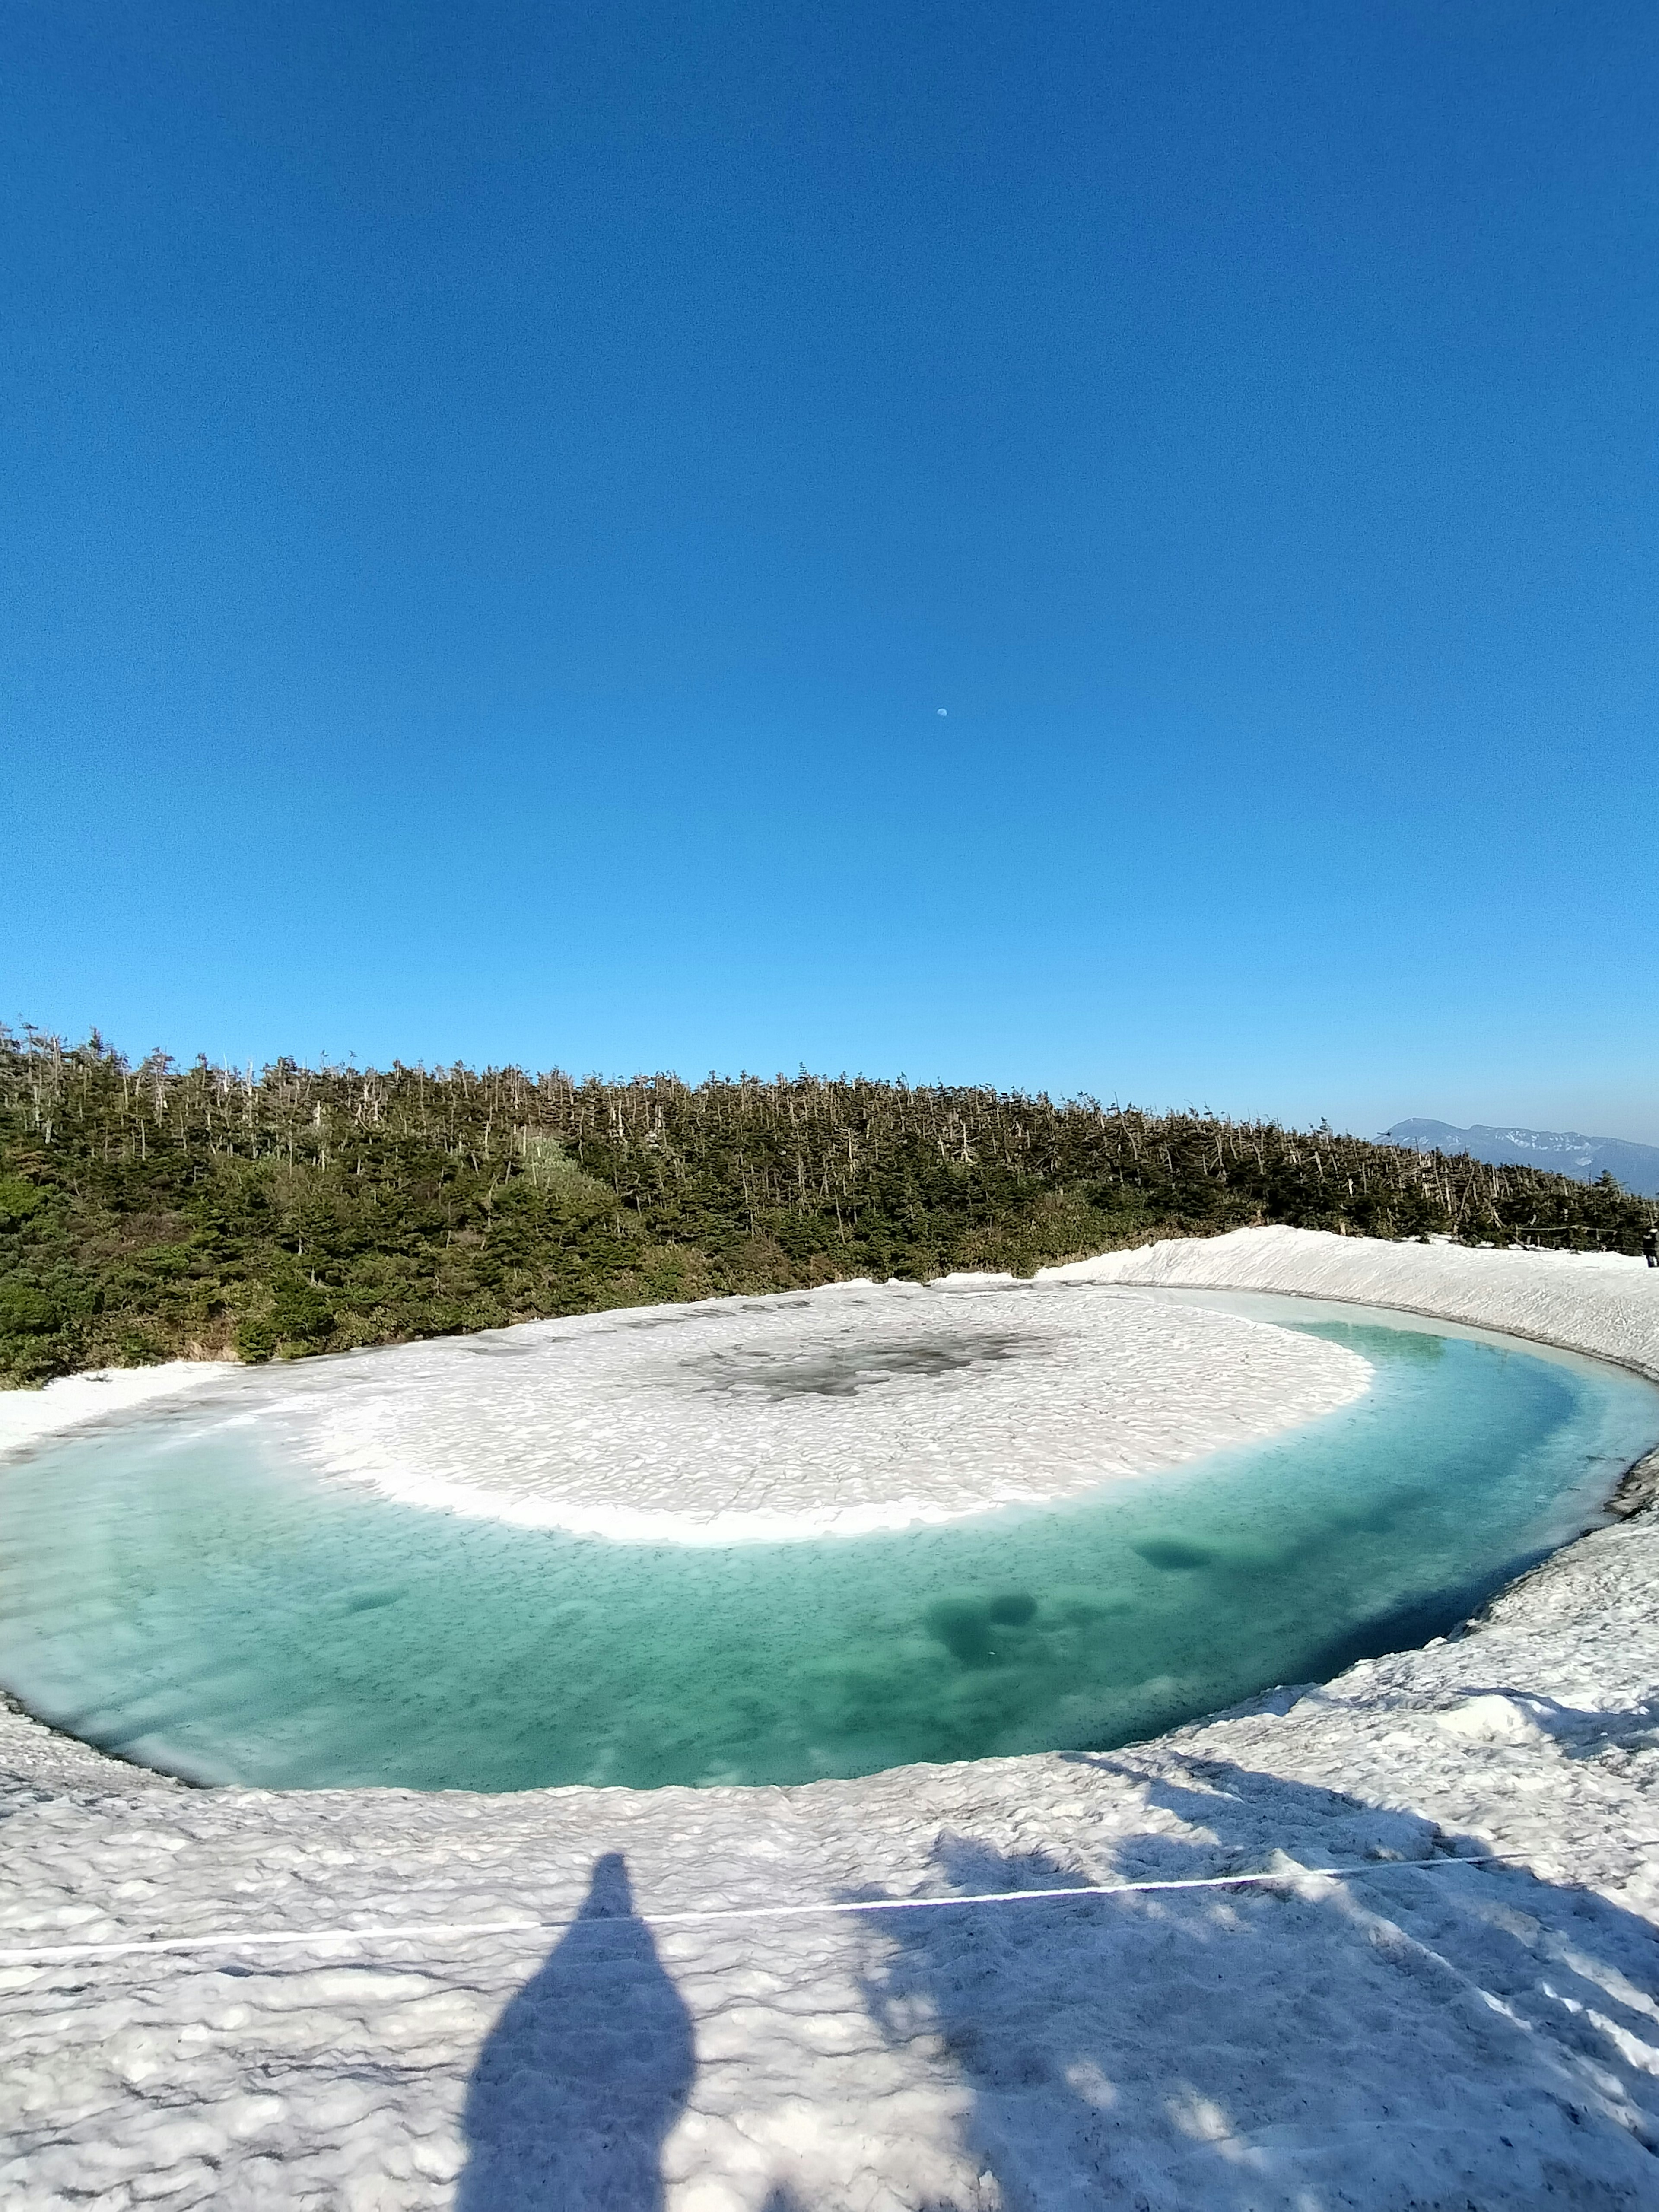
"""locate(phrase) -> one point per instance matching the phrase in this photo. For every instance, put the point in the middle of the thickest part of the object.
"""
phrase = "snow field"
(1413, 2038)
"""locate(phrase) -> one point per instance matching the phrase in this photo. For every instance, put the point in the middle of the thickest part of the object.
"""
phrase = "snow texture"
(74, 1400)
(1594, 1301)
(1423, 2038)
(769, 1419)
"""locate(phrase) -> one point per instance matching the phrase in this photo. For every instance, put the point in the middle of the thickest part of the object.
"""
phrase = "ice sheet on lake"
(839, 1413)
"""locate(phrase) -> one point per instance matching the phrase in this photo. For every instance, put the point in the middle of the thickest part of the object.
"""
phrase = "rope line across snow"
(446, 1931)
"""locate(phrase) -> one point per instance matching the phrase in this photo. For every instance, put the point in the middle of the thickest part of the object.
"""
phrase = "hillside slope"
(149, 1211)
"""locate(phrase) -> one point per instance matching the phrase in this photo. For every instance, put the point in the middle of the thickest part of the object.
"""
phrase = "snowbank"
(1598, 1302)
(1427, 2034)
(74, 1400)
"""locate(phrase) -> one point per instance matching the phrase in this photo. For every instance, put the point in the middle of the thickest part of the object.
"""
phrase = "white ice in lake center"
(837, 1412)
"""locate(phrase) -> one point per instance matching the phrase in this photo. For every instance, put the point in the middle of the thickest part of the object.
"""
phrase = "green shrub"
(25, 1311)
(18, 1200)
(257, 1339)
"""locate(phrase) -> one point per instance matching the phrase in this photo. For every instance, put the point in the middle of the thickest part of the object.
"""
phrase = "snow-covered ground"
(1425, 2033)
(27, 1415)
(1595, 1302)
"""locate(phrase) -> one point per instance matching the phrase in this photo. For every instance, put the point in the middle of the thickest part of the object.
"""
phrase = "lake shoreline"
(1532, 1733)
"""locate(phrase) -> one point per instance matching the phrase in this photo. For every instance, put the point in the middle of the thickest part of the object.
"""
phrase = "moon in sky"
(944, 710)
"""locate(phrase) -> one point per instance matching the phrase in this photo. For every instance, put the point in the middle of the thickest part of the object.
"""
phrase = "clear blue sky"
(498, 496)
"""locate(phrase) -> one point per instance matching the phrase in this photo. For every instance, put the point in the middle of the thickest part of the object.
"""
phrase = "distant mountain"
(1562, 1152)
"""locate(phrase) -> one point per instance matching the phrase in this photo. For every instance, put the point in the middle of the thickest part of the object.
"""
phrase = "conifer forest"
(150, 1211)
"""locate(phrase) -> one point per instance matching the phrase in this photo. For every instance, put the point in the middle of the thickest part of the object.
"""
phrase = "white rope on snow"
(63, 1953)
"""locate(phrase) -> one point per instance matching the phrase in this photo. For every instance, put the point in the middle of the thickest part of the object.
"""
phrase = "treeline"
(149, 1211)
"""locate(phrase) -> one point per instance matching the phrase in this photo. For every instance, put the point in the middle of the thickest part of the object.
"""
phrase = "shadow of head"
(584, 2073)
(1453, 2034)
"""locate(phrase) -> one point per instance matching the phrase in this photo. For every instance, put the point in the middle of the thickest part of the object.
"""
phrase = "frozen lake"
(204, 1590)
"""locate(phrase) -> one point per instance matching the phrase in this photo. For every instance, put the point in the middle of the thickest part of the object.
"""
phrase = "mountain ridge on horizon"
(1561, 1151)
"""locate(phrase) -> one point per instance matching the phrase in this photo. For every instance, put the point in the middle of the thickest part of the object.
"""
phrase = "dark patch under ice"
(841, 1373)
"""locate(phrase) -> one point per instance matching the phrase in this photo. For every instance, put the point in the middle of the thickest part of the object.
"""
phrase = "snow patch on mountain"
(1559, 1151)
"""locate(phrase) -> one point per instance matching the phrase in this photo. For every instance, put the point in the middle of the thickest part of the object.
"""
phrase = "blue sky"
(497, 499)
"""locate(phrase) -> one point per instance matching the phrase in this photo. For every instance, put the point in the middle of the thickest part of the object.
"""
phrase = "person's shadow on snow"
(584, 2075)
(1407, 2038)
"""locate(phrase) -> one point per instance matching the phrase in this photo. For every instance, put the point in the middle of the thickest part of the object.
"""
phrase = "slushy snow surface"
(1423, 2033)
(758, 1420)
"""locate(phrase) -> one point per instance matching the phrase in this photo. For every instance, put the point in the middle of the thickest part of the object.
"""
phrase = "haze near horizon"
(1096, 550)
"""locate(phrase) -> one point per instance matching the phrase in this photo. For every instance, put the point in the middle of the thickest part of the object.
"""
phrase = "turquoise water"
(170, 1592)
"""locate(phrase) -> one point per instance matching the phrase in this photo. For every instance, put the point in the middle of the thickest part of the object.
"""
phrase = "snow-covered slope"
(25, 1415)
(1597, 1302)
(1426, 2033)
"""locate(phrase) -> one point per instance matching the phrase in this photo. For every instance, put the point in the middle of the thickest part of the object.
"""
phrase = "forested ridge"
(150, 1210)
